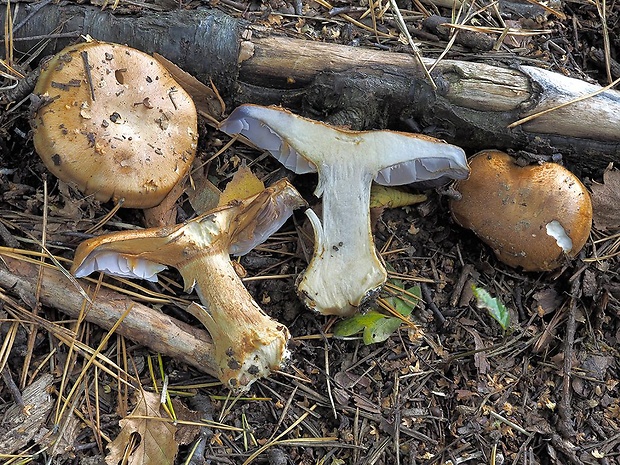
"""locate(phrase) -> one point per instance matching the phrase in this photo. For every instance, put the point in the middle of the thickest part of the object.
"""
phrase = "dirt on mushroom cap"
(113, 122)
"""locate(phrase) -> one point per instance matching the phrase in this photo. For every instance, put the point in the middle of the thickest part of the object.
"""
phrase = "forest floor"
(450, 386)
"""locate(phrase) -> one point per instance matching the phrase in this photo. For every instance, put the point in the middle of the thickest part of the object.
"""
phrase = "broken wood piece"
(143, 325)
(361, 87)
(23, 423)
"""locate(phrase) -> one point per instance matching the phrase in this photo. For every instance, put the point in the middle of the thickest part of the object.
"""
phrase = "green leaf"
(376, 326)
(493, 305)
(381, 329)
(406, 301)
(357, 323)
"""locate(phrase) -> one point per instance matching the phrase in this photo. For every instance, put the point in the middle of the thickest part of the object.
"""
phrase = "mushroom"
(345, 268)
(248, 343)
(530, 216)
(112, 121)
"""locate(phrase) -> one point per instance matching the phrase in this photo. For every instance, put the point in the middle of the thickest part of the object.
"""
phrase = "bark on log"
(142, 325)
(472, 106)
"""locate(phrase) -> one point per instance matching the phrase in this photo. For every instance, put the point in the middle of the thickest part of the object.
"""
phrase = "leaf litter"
(146, 436)
(606, 201)
(467, 392)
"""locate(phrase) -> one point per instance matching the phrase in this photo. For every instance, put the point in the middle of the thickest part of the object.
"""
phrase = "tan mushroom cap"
(114, 123)
(526, 214)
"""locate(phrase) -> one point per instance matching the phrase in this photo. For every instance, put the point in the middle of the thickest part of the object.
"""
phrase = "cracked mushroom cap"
(532, 216)
(113, 122)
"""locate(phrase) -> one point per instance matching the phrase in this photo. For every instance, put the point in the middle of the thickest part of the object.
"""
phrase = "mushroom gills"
(118, 264)
(424, 171)
(248, 344)
(265, 138)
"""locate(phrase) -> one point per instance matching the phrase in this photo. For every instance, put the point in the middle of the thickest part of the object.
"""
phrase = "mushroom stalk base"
(248, 344)
(344, 247)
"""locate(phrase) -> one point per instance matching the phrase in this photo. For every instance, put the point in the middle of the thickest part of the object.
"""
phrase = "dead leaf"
(64, 443)
(606, 200)
(480, 357)
(243, 185)
(186, 433)
(203, 195)
(205, 99)
(465, 394)
(155, 445)
(547, 301)
(165, 214)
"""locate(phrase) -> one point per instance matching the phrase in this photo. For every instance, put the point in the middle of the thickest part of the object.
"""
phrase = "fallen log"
(143, 325)
(473, 105)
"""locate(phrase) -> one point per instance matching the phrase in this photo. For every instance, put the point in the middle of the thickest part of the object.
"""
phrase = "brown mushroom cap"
(113, 122)
(523, 213)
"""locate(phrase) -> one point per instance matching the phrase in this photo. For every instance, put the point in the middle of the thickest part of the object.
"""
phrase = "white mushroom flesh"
(345, 267)
(557, 231)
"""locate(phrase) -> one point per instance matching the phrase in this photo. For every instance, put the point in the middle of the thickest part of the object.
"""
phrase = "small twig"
(328, 381)
(416, 51)
(353, 21)
(428, 298)
(196, 455)
(466, 273)
(602, 11)
(12, 387)
(569, 453)
(60, 35)
(397, 419)
(565, 424)
(513, 425)
(89, 77)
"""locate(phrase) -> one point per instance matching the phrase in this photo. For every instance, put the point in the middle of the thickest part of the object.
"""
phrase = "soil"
(451, 386)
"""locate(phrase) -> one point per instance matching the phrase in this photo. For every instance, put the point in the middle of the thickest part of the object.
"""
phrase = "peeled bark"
(472, 106)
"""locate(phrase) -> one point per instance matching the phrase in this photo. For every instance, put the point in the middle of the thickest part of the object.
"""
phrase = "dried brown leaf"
(165, 214)
(606, 200)
(203, 195)
(480, 358)
(186, 433)
(547, 300)
(64, 443)
(243, 185)
(156, 445)
(205, 99)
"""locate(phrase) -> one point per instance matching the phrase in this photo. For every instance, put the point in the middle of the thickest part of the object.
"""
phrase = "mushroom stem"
(342, 248)
(250, 345)
(345, 268)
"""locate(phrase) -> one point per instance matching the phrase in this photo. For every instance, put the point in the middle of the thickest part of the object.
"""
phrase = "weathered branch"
(142, 325)
(472, 107)
(364, 88)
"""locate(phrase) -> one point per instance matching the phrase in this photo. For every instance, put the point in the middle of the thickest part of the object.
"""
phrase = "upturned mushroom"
(248, 343)
(113, 122)
(533, 216)
(345, 268)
